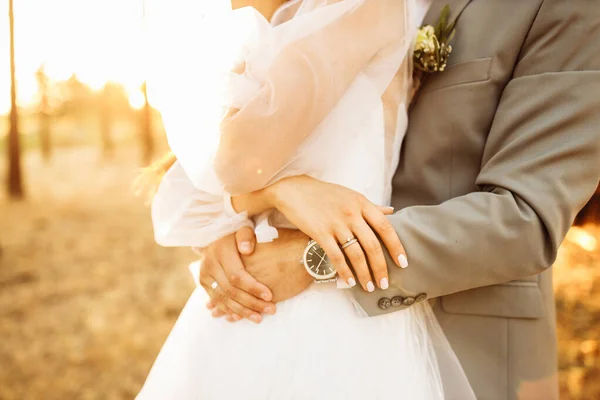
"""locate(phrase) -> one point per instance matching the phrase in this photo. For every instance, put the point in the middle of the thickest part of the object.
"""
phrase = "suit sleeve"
(540, 165)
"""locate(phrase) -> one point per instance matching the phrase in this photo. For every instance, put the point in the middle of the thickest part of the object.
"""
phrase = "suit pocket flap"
(508, 301)
(458, 74)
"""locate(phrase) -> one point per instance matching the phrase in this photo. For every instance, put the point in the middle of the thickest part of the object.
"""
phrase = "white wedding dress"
(320, 344)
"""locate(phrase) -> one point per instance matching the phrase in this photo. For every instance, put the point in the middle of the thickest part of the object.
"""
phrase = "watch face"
(317, 262)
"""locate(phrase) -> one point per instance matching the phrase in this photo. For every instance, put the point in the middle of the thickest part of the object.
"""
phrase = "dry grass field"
(86, 297)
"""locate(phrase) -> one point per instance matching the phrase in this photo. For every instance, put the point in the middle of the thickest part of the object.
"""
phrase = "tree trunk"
(44, 115)
(146, 129)
(15, 179)
(45, 143)
(146, 113)
(106, 124)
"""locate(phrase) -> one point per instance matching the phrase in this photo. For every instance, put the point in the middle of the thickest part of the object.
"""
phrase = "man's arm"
(540, 166)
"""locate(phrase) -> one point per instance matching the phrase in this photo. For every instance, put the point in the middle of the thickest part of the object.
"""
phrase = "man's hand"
(330, 214)
(236, 293)
(276, 265)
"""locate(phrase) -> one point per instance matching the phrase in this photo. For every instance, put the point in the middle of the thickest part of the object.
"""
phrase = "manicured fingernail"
(351, 282)
(269, 310)
(391, 208)
(384, 283)
(265, 297)
(370, 287)
(402, 261)
(255, 318)
(245, 247)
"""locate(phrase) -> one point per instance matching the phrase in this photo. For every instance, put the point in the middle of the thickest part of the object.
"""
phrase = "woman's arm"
(285, 12)
(306, 81)
(254, 203)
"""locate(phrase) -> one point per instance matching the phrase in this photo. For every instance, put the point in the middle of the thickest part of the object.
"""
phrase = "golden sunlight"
(582, 238)
(136, 99)
(96, 40)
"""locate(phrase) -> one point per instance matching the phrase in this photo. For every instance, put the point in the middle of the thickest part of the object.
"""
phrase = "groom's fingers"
(229, 291)
(245, 240)
(218, 313)
(225, 305)
(225, 302)
(239, 278)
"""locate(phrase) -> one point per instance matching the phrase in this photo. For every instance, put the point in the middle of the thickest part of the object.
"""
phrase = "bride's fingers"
(386, 210)
(357, 258)
(384, 228)
(336, 256)
(371, 246)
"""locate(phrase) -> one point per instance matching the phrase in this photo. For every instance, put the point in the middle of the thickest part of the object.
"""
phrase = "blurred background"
(86, 296)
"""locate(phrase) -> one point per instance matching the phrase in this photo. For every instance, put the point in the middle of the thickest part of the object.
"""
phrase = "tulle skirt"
(318, 345)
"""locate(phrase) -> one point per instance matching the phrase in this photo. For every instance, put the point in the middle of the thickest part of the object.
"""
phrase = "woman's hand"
(332, 214)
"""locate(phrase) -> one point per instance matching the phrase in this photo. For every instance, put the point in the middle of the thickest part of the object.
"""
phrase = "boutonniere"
(432, 47)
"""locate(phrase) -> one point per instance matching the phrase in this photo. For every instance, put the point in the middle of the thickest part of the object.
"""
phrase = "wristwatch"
(317, 263)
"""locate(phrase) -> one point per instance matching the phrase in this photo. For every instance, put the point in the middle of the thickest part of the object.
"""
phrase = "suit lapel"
(456, 8)
(431, 18)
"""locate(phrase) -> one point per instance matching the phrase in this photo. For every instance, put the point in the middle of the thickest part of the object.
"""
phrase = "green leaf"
(444, 15)
(451, 27)
(451, 36)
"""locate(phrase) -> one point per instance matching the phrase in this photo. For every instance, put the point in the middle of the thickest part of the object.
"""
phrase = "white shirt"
(422, 6)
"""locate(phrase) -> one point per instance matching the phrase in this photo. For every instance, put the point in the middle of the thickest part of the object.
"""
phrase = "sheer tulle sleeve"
(239, 97)
(302, 69)
(182, 215)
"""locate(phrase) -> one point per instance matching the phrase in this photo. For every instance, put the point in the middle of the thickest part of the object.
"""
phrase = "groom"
(502, 150)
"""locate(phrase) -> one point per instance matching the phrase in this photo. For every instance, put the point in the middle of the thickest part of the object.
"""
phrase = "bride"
(322, 94)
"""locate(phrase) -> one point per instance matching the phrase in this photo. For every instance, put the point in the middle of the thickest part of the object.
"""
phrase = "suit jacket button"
(397, 301)
(421, 297)
(384, 303)
(408, 301)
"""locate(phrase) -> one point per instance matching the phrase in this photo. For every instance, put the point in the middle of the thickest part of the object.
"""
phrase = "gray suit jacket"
(502, 150)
